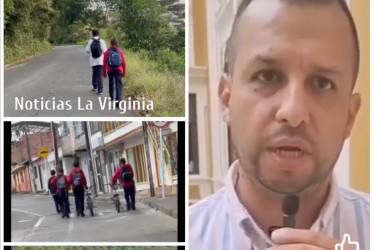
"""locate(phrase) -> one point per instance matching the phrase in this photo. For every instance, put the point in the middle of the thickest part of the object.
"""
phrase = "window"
(135, 157)
(95, 127)
(109, 127)
(78, 129)
(193, 136)
(64, 129)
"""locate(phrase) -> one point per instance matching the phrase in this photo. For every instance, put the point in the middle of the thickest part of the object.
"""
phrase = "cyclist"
(61, 183)
(78, 183)
(126, 174)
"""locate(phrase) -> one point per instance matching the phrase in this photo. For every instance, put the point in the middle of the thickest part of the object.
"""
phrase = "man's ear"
(354, 107)
(224, 93)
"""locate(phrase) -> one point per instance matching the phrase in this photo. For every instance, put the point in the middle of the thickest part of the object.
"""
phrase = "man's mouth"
(289, 152)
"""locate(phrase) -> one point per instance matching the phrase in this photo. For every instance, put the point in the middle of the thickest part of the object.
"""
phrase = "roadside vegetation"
(151, 33)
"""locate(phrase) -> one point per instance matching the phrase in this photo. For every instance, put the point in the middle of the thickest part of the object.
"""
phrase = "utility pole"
(55, 146)
(89, 153)
(149, 167)
(31, 167)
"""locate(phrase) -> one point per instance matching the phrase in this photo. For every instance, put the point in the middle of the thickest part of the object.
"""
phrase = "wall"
(360, 140)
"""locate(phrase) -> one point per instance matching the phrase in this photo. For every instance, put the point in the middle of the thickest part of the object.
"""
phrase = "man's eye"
(322, 83)
(269, 76)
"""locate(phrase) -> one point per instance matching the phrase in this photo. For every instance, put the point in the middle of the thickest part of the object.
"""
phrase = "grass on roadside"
(20, 51)
(165, 89)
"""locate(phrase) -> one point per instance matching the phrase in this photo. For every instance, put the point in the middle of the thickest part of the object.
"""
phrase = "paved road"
(34, 220)
(60, 75)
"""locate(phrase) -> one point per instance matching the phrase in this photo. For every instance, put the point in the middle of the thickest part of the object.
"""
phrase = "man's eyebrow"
(325, 70)
(266, 59)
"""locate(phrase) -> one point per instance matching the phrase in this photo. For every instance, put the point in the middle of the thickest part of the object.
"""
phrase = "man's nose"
(293, 108)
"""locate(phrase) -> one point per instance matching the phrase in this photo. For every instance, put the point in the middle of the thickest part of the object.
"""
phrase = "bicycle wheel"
(118, 207)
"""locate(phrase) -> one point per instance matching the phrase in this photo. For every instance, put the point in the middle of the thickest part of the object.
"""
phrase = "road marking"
(117, 218)
(22, 221)
(27, 212)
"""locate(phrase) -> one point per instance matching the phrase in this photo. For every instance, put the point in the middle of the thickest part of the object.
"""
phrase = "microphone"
(290, 208)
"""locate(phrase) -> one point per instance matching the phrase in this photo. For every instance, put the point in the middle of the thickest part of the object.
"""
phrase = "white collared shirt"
(221, 222)
(99, 60)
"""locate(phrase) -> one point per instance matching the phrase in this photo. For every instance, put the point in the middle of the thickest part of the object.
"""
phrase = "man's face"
(289, 100)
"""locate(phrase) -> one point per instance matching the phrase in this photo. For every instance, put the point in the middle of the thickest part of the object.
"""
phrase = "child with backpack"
(79, 184)
(126, 173)
(61, 184)
(96, 47)
(53, 191)
(114, 64)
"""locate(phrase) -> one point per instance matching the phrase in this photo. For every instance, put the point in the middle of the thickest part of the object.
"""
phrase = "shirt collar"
(243, 221)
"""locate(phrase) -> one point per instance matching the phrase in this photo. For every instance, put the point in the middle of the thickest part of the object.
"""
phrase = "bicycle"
(89, 201)
(115, 198)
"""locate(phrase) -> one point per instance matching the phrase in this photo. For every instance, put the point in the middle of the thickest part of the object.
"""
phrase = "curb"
(157, 207)
(7, 66)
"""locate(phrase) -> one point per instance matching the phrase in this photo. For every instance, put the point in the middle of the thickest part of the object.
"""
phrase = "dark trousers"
(79, 199)
(115, 79)
(130, 194)
(57, 202)
(64, 203)
(97, 78)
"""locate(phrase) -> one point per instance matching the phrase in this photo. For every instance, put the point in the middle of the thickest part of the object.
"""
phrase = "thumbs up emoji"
(347, 244)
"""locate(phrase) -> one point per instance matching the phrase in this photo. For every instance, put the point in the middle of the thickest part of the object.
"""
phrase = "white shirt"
(99, 60)
(221, 222)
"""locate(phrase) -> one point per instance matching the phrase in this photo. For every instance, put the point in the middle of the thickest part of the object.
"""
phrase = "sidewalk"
(167, 205)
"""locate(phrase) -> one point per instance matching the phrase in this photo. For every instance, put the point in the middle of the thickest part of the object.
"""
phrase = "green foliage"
(167, 60)
(144, 79)
(176, 11)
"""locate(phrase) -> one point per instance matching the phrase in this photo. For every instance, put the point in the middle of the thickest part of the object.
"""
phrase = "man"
(61, 184)
(96, 47)
(126, 173)
(114, 64)
(287, 97)
(79, 184)
(53, 191)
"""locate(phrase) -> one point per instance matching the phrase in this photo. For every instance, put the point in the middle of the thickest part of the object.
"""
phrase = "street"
(34, 219)
(60, 81)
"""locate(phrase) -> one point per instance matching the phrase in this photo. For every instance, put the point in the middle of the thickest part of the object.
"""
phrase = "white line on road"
(22, 221)
(27, 212)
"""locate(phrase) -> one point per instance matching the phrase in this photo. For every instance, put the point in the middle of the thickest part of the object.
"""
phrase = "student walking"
(115, 65)
(79, 184)
(61, 184)
(126, 173)
(53, 191)
(96, 47)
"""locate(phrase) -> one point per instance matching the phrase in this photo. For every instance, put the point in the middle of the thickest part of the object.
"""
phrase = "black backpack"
(77, 178)
(96, 48)
(126, 174)
(114, 58)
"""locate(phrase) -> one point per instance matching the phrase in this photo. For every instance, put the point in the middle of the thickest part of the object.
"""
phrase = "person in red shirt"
(79, 184)
(126, 174)
(61, 184)
(115, 65)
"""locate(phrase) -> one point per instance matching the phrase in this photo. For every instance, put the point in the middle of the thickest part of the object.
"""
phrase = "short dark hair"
(53, 172)
(76, 161)
(123, 160)
(113, 42)
(95, 32)
(60, 170)
(230, 53)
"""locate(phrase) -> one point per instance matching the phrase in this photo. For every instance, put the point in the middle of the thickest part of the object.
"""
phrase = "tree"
(176, 11)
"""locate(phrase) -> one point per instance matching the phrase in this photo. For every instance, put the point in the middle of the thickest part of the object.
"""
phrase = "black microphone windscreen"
(290, 204)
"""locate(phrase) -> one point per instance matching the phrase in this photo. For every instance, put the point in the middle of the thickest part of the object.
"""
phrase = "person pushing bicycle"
(126, 173)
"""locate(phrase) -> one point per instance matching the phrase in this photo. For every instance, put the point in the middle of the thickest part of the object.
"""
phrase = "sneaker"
(94, 89)
(133, 207)
(67, 216)
(82, 214)
(100, 93)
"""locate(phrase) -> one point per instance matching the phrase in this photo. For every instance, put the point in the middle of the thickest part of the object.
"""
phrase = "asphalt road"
(61, 76)
(34, 219)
